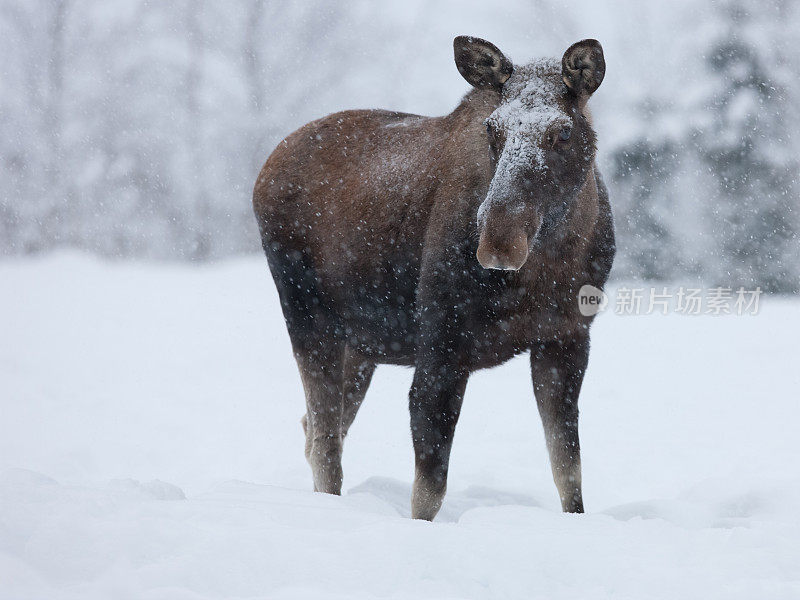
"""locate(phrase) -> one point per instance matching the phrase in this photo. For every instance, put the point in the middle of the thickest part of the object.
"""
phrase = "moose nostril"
(487, 259)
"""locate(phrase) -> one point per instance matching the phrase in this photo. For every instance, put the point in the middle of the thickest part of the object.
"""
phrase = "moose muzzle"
(505, 250)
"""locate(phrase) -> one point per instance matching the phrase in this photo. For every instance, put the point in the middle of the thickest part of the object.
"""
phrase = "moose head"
(540, 141)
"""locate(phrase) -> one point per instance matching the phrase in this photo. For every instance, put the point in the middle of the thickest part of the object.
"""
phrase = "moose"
(449, 244)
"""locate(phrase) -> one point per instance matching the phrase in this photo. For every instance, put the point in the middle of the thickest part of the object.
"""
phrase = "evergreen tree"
(747, 145)
(642, 173)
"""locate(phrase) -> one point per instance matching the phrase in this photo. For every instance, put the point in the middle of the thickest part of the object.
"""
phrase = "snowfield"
(150, 447)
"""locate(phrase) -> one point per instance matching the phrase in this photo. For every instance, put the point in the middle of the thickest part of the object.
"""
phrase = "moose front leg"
(557, 369)
(434, 403)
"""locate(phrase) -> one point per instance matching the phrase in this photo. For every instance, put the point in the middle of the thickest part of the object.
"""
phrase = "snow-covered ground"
(150, 447)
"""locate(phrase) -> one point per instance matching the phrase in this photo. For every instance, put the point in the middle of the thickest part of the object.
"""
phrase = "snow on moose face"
(540, 141)
(541, 147)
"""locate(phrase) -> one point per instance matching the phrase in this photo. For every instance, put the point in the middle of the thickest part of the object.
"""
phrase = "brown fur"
(368, 220)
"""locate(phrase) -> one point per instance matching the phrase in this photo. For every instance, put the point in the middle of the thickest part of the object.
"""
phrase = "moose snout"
(507, 251)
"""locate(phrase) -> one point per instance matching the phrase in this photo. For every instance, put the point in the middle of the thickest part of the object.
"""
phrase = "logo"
(591, 300)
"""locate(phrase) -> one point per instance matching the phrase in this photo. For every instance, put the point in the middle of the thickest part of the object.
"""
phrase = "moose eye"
(566, 131)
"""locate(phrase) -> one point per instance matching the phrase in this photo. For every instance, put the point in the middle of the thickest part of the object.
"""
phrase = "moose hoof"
(426, 500)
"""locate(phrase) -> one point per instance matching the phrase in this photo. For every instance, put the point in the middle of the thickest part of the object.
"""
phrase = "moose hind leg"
(313, 329)
(357, 376)
(322, 381)
(557, 369)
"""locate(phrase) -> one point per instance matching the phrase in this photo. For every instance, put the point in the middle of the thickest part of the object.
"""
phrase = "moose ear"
(481, 63)
(583, 68)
